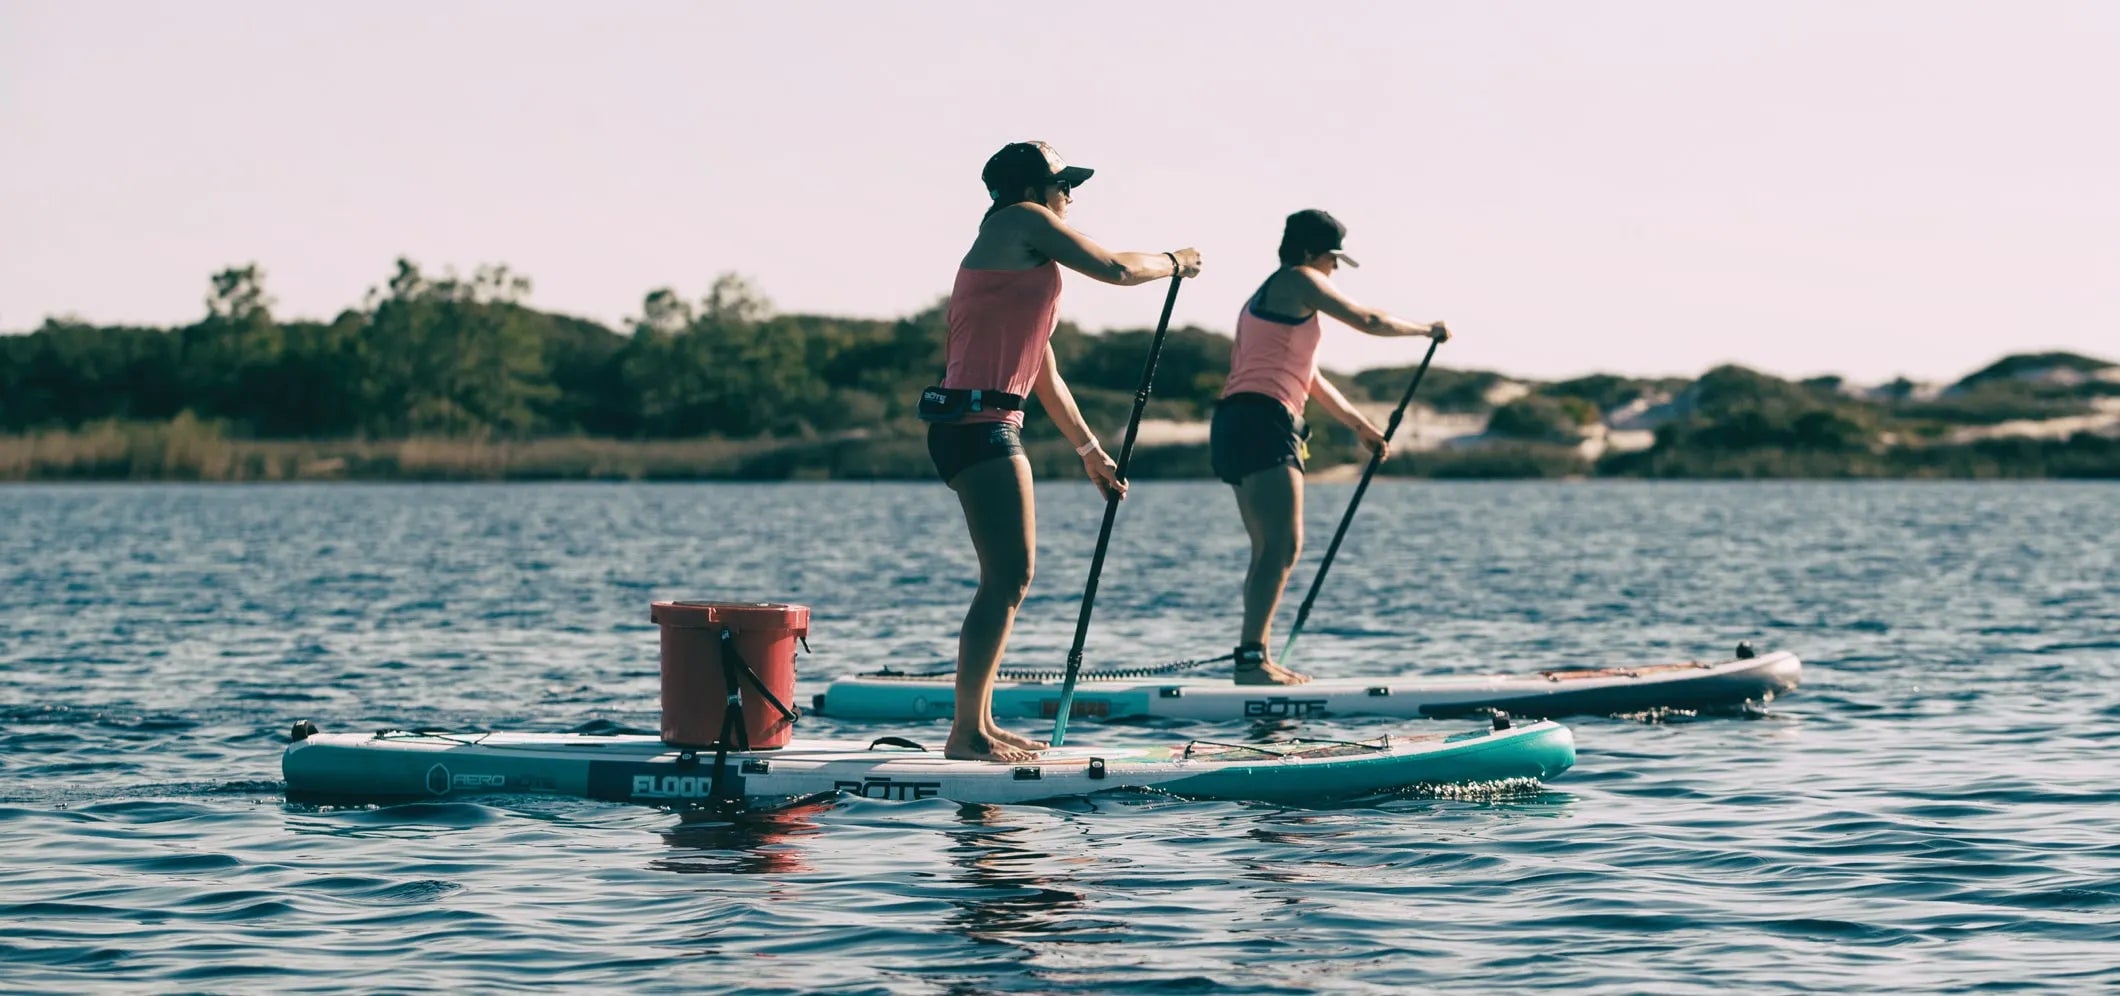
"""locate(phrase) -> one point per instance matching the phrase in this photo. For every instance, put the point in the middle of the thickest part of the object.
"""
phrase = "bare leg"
(1271, 502)
(1002, 516)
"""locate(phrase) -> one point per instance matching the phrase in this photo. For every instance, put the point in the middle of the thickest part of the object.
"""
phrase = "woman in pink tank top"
(1256, 443)
(1001, 314)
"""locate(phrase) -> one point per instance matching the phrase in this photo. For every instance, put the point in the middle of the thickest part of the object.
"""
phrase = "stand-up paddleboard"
(400, 765)
(1591, 691)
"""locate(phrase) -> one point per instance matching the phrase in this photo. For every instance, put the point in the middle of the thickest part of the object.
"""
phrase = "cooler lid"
(738, 616)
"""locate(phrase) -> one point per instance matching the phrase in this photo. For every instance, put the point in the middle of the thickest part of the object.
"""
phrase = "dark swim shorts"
(1251, 433)
(957, 445)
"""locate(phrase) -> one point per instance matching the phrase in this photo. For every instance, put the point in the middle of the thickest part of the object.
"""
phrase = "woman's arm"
(1052, 238)
(1319, 294)
(1059, 402)
(1343, 411)
(1059, 405)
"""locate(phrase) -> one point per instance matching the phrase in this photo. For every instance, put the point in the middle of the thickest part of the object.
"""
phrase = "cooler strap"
(734, 731)
(791, 715)
(719, 788)
(733, 667)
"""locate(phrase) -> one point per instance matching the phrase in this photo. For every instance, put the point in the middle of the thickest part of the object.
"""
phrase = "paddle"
(1375, 459)
(1111, 513)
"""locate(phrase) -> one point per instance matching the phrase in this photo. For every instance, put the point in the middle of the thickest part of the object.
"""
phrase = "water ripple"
(1934, 810)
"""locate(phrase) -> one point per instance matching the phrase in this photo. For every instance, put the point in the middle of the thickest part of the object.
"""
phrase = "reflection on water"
(741, 842)
(1001, 890)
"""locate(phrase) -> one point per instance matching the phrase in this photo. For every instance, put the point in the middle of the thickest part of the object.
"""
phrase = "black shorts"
(957, 445)
(1251, 433)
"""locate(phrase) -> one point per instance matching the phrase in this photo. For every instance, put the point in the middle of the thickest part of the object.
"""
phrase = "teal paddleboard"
(1548, 694)
(400, 765)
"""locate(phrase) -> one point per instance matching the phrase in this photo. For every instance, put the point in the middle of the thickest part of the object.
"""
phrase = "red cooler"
(693, 692)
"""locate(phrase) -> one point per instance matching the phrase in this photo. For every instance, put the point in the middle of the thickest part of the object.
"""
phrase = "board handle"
(894, 742)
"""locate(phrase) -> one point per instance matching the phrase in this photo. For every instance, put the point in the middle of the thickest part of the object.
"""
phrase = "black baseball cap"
(1028, 164)
(1311, 231)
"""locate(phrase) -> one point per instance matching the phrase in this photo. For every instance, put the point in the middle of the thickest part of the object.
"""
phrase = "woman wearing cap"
(1256, 443)
(1002, 309)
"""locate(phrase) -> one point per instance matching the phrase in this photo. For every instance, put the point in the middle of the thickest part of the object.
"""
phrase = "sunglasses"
(1065, 187)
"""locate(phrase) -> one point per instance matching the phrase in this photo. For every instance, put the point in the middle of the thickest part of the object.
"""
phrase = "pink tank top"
(1000, 322)
(1275, 355)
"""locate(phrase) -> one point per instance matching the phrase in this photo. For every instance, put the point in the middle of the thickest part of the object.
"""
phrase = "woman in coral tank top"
(1001, 315)
(1257, 436)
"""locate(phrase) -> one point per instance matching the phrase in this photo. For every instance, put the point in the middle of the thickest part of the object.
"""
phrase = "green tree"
(1191, 370)
(1539, 418)
(229, 359)
(2023, 363)
(1607, 391)
(452, 355)
(1443, 389)
(69, 372)
(730, 369)
(734, 300)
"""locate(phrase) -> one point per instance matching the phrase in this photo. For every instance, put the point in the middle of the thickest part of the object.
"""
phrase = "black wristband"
(1175, 269)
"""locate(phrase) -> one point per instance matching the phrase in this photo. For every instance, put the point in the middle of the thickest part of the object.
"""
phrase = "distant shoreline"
(187, 450)
(454, 379)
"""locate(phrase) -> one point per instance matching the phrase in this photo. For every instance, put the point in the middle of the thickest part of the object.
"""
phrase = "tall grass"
(189, 449)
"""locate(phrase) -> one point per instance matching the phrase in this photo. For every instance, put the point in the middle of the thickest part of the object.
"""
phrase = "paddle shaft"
(1375, 460)
(1111, 514)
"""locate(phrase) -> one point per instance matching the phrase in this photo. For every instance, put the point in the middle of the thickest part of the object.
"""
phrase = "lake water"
(1937, 808)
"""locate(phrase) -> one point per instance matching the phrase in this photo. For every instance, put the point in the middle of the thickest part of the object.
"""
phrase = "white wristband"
(1083, 450)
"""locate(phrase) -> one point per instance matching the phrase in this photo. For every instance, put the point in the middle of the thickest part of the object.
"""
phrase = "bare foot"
(1267, 673)
(1018, 741)
(978, 747)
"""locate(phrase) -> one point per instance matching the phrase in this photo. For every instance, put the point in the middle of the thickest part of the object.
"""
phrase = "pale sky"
(1865, 188)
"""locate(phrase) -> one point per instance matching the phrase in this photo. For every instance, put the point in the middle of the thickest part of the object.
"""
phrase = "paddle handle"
(1111, 514)
(1376, 459)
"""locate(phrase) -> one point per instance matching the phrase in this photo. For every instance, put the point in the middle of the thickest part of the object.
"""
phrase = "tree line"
(455, 356)
(452, 356)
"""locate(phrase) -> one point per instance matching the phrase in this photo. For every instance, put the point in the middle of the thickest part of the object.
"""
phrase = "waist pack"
(948, 404)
